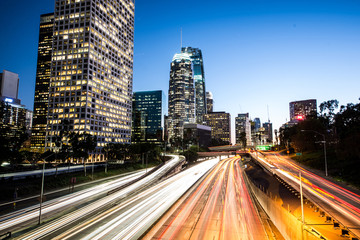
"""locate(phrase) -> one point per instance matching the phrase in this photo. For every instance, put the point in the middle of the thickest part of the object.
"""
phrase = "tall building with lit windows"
(147, 121)
(209, 102)
(243, 125)
(299, 110)
(42, 82)
(91, 70)
(199, 80)
(181, 109)
(220, 123)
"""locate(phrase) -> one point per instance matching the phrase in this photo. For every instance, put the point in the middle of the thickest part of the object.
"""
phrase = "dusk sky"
(256, 53)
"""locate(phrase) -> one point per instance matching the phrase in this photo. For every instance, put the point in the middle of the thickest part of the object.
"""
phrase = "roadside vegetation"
(340, 128)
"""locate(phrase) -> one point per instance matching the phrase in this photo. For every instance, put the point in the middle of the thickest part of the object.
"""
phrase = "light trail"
(219, 208)
(129, 218)
(340, 203)
(25, 217)
(21, 216)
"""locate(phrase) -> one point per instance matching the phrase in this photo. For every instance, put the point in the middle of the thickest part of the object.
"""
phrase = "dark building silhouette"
(41, 98)
(148, 110)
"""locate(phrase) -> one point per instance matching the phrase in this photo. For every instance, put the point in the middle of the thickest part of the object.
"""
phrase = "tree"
(243, 139)
(347, 126)
(82, 144)
(218, 142)
(63, 147)
(11, 141)
(327, 111)
(191, 154)
(177, 142)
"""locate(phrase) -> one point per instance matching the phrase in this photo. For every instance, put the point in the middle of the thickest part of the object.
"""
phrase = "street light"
(323, 135)
(42, 186)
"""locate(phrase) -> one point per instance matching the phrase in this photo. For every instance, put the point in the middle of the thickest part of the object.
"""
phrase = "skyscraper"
(91, 70)
(257, 124)
(181, 107)
(12, 113)
(199, 79)
(299, 110)
(220, 123)
(268, 132)
(242, 125)
(209, 102)
(9, 84)
(148, 110)
(42, 83)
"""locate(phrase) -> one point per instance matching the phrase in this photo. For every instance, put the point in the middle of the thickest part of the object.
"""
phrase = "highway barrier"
(288, 225)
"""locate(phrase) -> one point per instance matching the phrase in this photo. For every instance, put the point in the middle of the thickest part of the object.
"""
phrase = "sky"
(258, 55)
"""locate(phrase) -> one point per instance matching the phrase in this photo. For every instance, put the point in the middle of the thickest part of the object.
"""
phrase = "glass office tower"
(148, 111)
(199, 79)
(181, 107)
(209, 102)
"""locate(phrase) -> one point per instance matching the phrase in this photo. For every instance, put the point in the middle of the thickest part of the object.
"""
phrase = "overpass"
(225, 148)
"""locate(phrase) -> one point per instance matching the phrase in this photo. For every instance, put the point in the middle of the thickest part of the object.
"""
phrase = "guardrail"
(271, 169)
(5, 236)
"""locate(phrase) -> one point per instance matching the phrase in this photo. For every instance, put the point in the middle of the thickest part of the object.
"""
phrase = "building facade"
(147, 121)
(181, 107)
(299, 110)
(199, 80)
(41, 97)
(257, 124)
(268, 132)
(209, 102)
(91, 70)
(220, 124)
(13, 115)
(197, 134)
(243, 125)
(9, 84)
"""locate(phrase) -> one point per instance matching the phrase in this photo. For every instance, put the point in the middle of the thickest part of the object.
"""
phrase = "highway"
(219, 208)
(29, 216)
(22, 217)
(125, 219)
(340, 203)
(47, 172)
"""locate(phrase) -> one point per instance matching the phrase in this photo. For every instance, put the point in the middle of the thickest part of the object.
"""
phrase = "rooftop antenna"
(180, 38)
(268, 113)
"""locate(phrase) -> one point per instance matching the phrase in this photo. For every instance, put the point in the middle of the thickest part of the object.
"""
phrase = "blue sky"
(256, 53)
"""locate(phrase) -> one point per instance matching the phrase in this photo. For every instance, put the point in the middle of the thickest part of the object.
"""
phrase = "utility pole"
(42, 187)
(146, 160)
(302, 207)
(92, 169)
(42, 190)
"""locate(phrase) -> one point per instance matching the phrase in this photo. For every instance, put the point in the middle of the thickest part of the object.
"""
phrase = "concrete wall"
(288, 225)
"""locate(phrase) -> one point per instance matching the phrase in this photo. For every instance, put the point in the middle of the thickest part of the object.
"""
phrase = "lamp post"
(323, 135)
(302, 207)
(42, 186)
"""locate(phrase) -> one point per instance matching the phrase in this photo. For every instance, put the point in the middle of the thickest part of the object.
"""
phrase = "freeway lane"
(219, 208)
(127, 219)
(21, 218)
(28, 216)
(340, 203)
